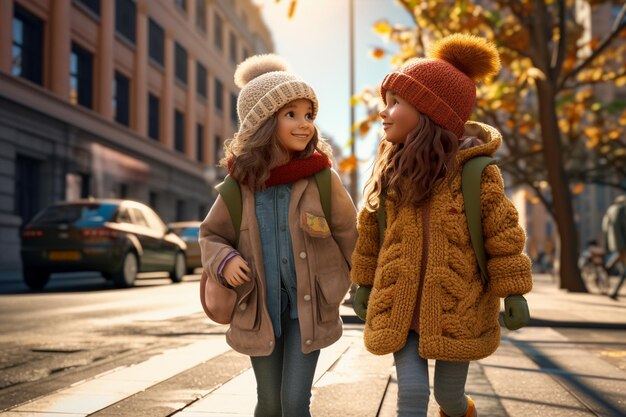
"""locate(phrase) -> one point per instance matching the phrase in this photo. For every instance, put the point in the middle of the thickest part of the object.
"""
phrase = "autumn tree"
(548, 101)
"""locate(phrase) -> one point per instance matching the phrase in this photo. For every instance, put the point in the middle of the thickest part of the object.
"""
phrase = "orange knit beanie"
(443, 85)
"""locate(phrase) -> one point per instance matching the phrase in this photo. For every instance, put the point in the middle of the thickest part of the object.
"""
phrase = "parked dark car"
(118, 238)
(188, 231)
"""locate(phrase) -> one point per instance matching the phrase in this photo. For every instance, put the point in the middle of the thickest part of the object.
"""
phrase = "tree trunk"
(569, 272)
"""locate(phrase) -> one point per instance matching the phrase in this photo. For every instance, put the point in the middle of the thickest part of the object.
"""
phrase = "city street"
(83, 348)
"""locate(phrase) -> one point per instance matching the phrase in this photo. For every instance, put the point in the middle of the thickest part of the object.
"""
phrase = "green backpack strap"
(470, 186)
(322, 178)
(231, 194)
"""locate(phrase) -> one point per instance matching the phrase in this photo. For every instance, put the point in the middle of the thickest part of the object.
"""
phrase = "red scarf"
(294, 170)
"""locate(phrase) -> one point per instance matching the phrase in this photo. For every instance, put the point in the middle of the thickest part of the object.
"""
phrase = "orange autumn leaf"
(347, 165)
(377, 53)
(382, 27)
(292, 9)
(578, 188)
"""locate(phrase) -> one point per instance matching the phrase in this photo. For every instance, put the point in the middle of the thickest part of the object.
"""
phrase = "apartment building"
(117, 98)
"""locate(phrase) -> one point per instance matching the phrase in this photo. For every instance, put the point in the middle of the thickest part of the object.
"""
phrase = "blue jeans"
(413, 388)
(285, 377)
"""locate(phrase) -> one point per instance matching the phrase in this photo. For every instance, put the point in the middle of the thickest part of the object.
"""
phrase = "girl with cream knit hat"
(420, 289)
(288, 263)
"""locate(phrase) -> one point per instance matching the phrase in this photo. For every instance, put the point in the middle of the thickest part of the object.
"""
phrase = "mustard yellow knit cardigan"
(458, 316)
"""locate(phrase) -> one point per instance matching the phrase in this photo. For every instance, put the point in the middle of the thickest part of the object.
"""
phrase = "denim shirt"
(272, 215)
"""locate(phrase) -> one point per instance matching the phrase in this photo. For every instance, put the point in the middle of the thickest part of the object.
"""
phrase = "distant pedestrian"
(289, 265)
(614, 229)
(427, 297)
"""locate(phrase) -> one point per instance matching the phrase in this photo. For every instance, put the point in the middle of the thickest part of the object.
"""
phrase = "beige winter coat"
(322, 266)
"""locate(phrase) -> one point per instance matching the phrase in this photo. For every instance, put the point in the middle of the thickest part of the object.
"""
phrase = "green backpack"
(231, 194)
(470, 187)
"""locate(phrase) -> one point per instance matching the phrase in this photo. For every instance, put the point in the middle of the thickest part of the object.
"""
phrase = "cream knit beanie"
(266, 86)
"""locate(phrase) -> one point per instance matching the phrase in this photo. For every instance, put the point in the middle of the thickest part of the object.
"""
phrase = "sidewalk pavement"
(570, 361)
(542, 371)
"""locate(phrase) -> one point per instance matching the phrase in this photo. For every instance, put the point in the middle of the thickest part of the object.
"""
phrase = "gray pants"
(413, 388)
(285, 377)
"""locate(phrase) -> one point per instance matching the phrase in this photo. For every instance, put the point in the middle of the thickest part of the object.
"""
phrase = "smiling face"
(399, 118)
(295, 128)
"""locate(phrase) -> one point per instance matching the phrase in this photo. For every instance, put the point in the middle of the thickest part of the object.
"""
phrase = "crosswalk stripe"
(89, 396)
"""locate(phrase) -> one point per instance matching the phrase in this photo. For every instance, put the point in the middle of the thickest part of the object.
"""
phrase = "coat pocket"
(246, 312)
(331, 287)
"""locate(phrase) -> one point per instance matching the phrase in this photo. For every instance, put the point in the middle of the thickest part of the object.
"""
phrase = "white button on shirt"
(307, 297)
(303, 255)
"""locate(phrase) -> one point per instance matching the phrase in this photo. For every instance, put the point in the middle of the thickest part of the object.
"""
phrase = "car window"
(190, 232)
(81, 215)
(153, 219)
(138, 217)
(123, 216)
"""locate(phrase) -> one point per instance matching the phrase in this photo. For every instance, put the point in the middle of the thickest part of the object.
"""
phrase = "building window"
(125, 18)
(182, 4)
(218, 29)
(200, 142)
(180, 210)
(219, 95)
(233, 48)
(123, 190)
(81, 77)
(233, 109)
(201, 84)
(245, 54)
(201, 15)
(153, 117)
(153, 199)
(27, 54)
(26, 187)
(92, 5)
(156, 42)
(181, 63)
(218, 151)
(179, 131)
(121, 89)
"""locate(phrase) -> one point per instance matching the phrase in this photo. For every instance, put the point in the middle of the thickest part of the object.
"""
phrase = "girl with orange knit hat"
(420, 289)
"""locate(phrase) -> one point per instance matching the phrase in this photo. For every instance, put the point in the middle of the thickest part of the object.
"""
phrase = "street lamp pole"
(354, 174)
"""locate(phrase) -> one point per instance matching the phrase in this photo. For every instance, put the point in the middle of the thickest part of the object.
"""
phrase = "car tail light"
(32, 233)
(100, 233)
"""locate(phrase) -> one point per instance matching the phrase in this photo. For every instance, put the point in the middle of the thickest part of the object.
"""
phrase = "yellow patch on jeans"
(316, 226)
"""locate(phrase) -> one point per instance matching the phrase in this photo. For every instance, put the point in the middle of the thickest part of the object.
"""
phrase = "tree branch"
(593, 82)
(558, 53)
(618, 26)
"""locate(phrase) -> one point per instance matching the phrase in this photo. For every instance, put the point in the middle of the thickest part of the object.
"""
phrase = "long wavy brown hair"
(250, 157)
(409, 171)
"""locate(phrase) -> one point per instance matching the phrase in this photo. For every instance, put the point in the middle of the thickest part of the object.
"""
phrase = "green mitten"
(361, 297)
(516, 313)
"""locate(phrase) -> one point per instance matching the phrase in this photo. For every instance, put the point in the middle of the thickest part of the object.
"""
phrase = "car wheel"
(180, 268)
(35, 279)
(125, 276)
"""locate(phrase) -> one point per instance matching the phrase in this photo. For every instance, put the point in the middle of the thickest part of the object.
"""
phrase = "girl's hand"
(235, 271)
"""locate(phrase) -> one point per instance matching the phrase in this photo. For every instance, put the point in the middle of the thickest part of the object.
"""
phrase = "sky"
(315, 42)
